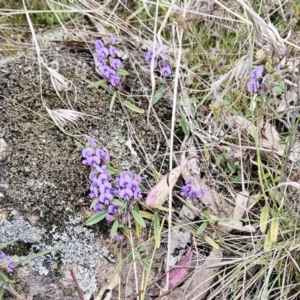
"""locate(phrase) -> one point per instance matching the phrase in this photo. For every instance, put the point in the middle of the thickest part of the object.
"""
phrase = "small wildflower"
(253, 83)
(118, 238)
(165, 70)
(198, 213)
(6, 262)
(102, 52)
(101, 62)
(115, 80)
(189, 191)
(116, 63)
(99, 44)
(92, 142)
(149, 55)
(109, 218)
(112, 51)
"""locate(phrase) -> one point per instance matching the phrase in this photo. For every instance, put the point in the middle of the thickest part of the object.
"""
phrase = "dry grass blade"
(62, 117)
(267, 34)
(59, 82)
(239, 72)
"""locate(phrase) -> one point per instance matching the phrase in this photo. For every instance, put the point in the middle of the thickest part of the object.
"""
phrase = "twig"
(12, 291)
(78, 289)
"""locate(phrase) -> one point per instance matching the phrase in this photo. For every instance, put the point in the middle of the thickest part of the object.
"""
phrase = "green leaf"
(97, 83)
(133, 107)
(96, 218)
(1, 293)
(118, 202)
(31, 257)
(158, 95)
(111, 170)
(231, 167)
(237, 179)
(114, 229)
(219, 159)
(202, 227)
(146, 214)
(138, 218)
(3, 278)
(94, 202)
(112, 101)
(122, 72)
(184, 126)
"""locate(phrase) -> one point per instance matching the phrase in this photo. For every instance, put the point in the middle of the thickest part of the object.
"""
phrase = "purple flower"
(106, 71)
(253, 83)
(115, 80)
(149, 55)
(112, 51)
(113, 209)
(99, 207)
(109, 218)
(196, 193)
(116, 63)
(252, 86)
(118, 238)
(87, 152)
(94, 191)
(165, 70)
(189, 191)
(6, 262)
(92, 142)
(213, 52)
(99, 44)
(106, 198)
(126, 194)
(102, 52)
(198, 213)
(91, 161)
(101, 62)
(257, 72)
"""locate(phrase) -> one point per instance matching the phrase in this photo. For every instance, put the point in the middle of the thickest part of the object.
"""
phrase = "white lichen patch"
(77, 243)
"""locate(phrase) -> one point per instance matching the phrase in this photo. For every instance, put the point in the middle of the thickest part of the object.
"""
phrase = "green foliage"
(132, 107)
(158, 94)
(96, 218)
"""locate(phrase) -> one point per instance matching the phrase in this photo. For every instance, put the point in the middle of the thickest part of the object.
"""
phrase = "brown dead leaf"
(159, 193)
(241, 201)
(271, 138)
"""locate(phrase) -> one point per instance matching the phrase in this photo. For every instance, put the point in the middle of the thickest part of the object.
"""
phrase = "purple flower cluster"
(253, 83)
(6, 262)
(189, 191)
(108, 62)
(165, 70)
(128, 186)
(104, 190)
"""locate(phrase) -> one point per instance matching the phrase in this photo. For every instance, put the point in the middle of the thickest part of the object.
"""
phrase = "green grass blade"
(133, 107)
(26, 259)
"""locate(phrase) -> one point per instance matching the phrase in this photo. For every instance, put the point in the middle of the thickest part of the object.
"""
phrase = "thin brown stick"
(12, 291)
(78, 289)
